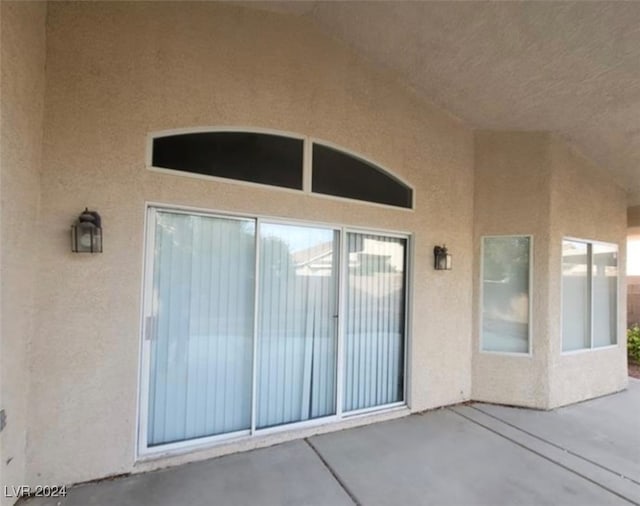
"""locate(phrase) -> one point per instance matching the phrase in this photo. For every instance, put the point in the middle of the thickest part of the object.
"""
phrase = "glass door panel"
(296, 357)
(375, 321)
(202, 344)
(213, 356)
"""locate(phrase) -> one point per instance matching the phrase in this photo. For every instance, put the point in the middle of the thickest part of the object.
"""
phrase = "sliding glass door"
(201, 335)
(245, 329)
(297, 340)
(375, 321)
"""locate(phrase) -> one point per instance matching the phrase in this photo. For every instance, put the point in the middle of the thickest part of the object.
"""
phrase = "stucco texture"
(585, 204)
(569, 67)
(118, 71)
(633, 217)
(22, 60)
(512, 197)
(531, 183)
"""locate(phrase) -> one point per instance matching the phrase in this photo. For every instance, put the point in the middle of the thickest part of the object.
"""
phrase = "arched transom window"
(279, 160)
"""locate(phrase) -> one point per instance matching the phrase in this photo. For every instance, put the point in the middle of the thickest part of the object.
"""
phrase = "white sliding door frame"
(341, 321)
(256, 313)
(406, 319)
(148, 327)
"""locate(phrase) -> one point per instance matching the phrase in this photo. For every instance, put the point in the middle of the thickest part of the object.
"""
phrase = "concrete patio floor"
(585, 454)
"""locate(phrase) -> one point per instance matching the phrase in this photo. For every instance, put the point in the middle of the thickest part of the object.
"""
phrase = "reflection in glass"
(576, 296)
(202, 348)
(206, 325)
(505, 294)
(343, 175)
(375, 321)
(246, 156)
(605, 290)
(296, 361)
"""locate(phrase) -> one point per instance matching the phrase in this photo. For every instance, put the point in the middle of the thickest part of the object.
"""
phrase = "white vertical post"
(256, 301)
(343, 278)
(408, 306)
(590, 288)
(307, 162)
(147, 316)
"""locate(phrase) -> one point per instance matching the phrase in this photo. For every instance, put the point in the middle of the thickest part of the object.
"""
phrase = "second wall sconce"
(86, 233)
(442, 258)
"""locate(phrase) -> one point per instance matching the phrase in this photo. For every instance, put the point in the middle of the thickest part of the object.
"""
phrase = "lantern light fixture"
(442, 258)
(86, 233)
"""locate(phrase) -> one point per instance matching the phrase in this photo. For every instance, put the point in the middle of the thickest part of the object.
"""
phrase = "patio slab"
(605, 431)
(586, 454)
(286, 474)
(442, 458)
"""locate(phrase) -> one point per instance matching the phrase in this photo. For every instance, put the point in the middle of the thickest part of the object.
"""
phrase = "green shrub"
(633, 343)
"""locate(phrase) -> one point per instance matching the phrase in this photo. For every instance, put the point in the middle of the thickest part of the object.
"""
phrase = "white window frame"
(591, 348)
(521, 354)
(307, 162)
(145, 452)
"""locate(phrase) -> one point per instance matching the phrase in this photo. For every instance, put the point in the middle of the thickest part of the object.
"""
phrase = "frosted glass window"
(505, 294)
(296, 370)
(202, 347)
(589, 294)
(375, 321)
(576, 296)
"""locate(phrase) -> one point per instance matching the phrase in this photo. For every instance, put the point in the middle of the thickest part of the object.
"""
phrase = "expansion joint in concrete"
(551, 443)
(335, 475)
(542, 454)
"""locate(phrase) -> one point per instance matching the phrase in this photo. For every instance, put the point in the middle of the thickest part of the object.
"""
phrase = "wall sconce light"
(86, 233)
(442, 258)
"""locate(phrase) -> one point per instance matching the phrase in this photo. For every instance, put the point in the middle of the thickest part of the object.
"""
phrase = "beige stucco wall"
(535, 184)
(585, 204)
(22, 60)
(117, 71)
(512, 194)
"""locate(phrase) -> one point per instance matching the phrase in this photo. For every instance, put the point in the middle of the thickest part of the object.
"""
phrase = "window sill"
(587, 350)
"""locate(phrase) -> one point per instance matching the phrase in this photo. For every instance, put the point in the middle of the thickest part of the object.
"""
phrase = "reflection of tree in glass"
(295, 302)
(506, 258)
(277, 259)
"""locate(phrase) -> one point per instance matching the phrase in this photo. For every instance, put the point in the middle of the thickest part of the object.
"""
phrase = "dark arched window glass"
(343, 175)
(246, 156)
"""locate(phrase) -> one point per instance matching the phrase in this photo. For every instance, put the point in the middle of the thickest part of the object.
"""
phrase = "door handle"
(150, 327)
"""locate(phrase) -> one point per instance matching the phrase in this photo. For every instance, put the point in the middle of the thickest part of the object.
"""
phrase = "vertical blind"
(297, 328)
(374, 336)
(201, 353)
(203, 301)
